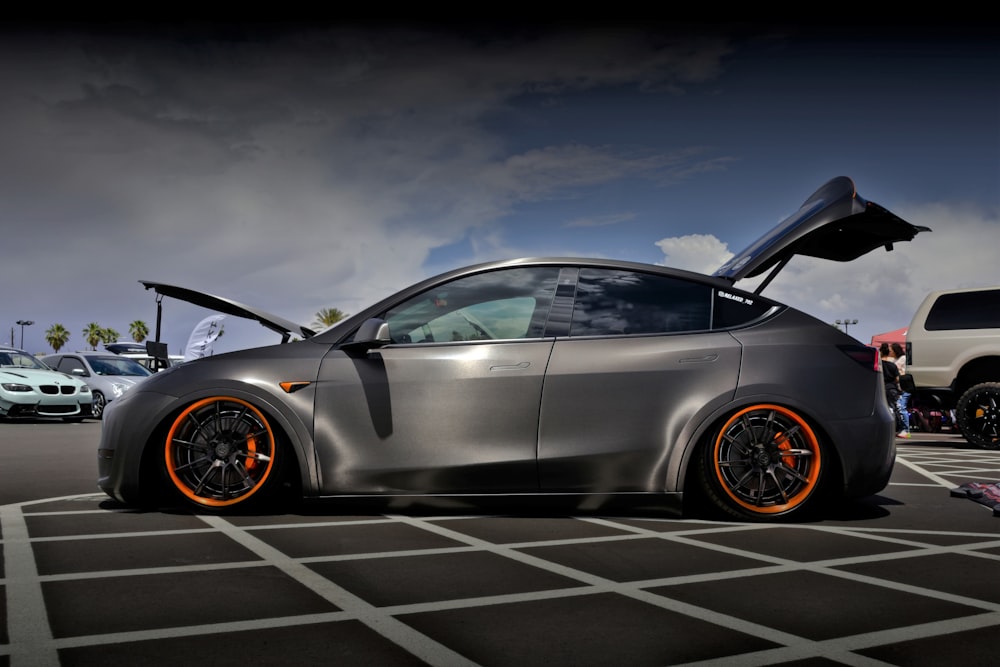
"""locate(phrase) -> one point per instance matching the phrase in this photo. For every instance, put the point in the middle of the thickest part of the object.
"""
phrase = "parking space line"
(937, 479)
(29, 634)
(31, 638)
(377, 619)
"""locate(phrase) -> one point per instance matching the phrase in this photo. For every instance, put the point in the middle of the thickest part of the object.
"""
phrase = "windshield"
(10, 359)
(119, 366)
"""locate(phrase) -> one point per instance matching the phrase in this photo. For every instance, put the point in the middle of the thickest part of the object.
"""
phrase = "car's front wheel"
(979, 415)
(98, 405)
(764, 462)
(221, 452)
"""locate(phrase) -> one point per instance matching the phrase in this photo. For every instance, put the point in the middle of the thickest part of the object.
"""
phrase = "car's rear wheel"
(978, 413)
(764, 462)
(98, 404)
(221, 452)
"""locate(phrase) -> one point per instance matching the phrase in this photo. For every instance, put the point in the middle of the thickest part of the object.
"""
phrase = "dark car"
(536, 376)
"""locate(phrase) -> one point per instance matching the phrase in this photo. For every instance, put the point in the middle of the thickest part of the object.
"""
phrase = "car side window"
(613, 302)
(72, 365)
(965, 310)
(494, 305)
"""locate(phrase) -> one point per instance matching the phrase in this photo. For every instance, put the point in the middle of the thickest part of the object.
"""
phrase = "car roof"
(122, 346)
(85, 353)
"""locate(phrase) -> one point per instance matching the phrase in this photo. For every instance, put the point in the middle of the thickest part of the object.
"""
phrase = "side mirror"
(371, 334)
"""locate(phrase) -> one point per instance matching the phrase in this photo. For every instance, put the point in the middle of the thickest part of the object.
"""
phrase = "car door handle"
(511, 367)
(708, 358)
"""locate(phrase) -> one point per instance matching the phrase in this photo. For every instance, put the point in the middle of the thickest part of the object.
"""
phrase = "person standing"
(903, 402)
(890, 376)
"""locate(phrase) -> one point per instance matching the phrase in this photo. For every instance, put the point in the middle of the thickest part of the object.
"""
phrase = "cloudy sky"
(298, 167)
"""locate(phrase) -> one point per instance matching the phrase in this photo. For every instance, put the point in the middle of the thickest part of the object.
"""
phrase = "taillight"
(864, 355)
(909, 353)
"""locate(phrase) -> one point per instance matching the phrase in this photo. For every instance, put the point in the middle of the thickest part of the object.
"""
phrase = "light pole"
(24, 323)
(846, 323)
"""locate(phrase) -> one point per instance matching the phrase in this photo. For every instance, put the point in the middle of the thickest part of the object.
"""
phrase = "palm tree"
(328, 317)
(109, 335)
(93, 334)
(56, 336)
(138, 330)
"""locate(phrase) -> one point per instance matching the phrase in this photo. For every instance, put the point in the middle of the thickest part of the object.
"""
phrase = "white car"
(29, 388)
(108, 375)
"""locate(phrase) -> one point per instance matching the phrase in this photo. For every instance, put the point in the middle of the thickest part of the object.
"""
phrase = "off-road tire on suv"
(978, 413)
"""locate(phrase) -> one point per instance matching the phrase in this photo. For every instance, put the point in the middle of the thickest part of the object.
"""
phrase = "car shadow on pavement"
(626, 506)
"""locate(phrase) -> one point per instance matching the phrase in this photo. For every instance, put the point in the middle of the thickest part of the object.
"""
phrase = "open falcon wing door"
(834, 223)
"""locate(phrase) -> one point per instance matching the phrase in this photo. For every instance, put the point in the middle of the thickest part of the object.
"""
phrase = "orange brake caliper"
(784, 445)
(252, 447)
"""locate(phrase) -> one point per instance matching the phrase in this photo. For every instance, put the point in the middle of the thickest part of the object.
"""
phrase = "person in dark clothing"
(904, 396)
(890, 376)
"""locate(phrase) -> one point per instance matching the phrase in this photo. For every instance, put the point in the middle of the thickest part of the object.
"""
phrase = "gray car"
(107, 374)
(536, 376)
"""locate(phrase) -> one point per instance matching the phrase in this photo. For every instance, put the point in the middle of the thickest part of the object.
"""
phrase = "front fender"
(134, 427)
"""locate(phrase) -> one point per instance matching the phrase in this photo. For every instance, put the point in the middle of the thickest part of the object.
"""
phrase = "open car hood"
(834, 223)
(229, 307)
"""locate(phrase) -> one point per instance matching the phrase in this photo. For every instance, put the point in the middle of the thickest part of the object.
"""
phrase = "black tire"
(978, 413)
(98, 405)
(221, 453)
(764, 463)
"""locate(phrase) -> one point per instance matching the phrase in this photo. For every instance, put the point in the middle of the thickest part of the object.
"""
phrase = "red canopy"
(897, 336)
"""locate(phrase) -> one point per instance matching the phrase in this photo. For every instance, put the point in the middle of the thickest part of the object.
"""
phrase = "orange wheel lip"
(812, 478)
(182, 487)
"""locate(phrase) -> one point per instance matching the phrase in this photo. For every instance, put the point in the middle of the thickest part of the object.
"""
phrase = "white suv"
(953, 355)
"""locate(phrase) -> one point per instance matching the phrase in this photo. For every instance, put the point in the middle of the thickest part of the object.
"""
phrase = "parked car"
(29, 388)
(531, 376)
(152, 364)
(125, 347)
(139, 352)
(108, 375)
(953, 359)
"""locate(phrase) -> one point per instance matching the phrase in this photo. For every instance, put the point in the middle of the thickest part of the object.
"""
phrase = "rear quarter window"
(965, 310)
(733, 308)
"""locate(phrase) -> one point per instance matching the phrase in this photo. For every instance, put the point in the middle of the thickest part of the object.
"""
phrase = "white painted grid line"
(31, 642)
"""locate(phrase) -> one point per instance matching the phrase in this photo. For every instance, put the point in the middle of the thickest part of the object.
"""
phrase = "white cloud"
(309, 169)
(882, 290)
(321, 168)
(702, 253)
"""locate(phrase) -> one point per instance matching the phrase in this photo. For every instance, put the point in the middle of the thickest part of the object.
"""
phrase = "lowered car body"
(534, 376)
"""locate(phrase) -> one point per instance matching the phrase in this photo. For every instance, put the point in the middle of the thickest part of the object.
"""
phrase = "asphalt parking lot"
(909, 577)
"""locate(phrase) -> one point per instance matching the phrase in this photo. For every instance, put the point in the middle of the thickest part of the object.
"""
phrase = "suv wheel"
(978, 413)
